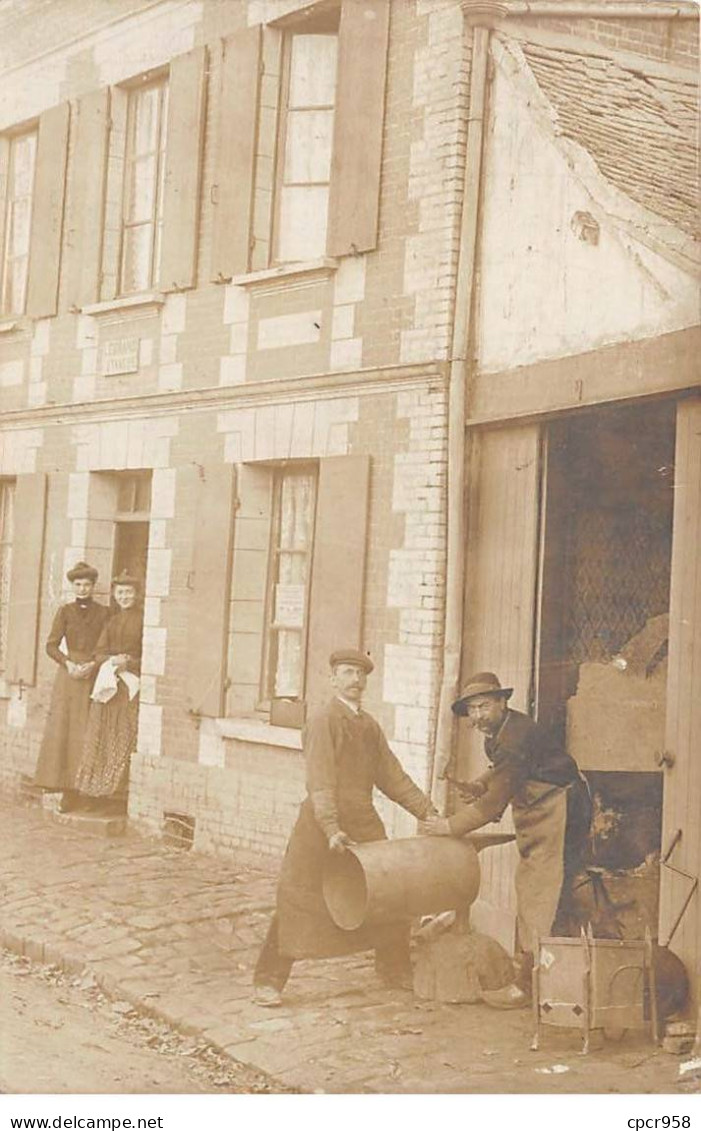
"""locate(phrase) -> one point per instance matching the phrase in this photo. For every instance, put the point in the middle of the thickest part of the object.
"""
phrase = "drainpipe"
(481, 16)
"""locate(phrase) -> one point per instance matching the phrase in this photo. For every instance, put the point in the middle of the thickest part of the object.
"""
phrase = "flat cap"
(482, 683)
(351, 656)
(80, 571)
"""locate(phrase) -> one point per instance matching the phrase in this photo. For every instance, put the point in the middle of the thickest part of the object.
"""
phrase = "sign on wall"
(121, 355)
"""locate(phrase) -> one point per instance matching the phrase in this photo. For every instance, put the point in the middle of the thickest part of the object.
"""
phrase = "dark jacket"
(522, 752)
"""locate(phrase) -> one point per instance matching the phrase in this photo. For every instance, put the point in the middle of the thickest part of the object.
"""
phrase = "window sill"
(321, 268)
(126, 302)
(13, 322)
(258, 732)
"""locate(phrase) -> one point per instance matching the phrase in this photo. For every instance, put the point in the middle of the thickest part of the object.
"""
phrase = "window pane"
(309, 142)
(16, 285)
(288, 672)
(146, 120)
(20, 224)
(23, 154)
(142, 501)
(303, 218)
(313, 70)
(136, 275)
(142, 194)
(296, 512)
(6, 532)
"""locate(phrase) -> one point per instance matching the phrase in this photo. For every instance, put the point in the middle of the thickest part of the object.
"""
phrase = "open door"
(499, 631)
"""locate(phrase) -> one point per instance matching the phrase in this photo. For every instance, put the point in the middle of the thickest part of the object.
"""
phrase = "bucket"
(386, 880)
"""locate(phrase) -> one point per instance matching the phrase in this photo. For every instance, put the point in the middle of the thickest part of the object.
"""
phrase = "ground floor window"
(7, 495)
(292, 536)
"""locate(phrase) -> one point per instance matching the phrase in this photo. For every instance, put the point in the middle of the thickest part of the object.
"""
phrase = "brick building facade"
(233, 239)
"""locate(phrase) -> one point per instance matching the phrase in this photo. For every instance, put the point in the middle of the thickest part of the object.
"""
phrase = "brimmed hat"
(80, 571)
(351, 656)
(482, 683)
(126, 578)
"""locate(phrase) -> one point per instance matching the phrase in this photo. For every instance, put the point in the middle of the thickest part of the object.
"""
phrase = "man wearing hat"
(551, 811)
(346, 756)
(79, 624)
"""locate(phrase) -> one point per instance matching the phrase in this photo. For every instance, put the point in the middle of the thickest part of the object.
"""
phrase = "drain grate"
(178, 830)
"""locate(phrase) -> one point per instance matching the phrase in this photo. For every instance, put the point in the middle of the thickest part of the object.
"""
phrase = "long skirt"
(109, 741)
(64, 734)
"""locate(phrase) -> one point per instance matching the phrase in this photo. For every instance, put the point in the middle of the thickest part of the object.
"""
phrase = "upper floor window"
(18, 221)
(144, 177)
(7, 493)
(305, 144)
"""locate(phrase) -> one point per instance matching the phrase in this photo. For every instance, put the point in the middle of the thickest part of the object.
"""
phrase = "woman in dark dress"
(103, 776)
(79, 624)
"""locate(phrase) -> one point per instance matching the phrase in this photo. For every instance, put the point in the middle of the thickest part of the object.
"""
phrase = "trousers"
(392, 956)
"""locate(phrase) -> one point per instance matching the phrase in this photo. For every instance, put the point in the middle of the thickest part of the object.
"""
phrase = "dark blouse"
(122, 635)
(81, 625)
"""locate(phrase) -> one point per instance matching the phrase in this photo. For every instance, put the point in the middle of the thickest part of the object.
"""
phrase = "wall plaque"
(121, 355)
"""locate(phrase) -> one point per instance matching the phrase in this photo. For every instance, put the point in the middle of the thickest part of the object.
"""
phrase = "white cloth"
(105, 687)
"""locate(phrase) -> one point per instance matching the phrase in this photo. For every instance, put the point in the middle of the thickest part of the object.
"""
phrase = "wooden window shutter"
(86, 204)
(358, 124)
(236, 153)
(183, 169)
(4, 170)
(47, 212)
(338, 566)
(210, 583)
(25, 578)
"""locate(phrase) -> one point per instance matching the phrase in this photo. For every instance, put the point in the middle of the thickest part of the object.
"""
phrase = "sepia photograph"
(350, 528)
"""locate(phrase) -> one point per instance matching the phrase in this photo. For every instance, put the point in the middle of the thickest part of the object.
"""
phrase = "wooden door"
(682, 788)
(499, 630)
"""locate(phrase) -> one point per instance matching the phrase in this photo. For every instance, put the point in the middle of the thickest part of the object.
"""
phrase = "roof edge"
(614, 206)
(478, 10)
(576, 41)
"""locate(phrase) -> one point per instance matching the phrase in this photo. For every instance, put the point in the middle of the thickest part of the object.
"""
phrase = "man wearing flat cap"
(551, 812)
(346, 756)
(78, 624)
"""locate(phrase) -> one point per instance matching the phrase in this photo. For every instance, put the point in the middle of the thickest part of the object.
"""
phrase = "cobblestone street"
(176, 935)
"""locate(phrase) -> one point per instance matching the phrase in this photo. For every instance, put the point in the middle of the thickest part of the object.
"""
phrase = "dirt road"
(60, 1034)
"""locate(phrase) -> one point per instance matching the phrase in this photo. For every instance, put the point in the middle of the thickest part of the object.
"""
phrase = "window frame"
(7, 489)
(269, 630)
(150, 80)
(13, 137)
(328, 27)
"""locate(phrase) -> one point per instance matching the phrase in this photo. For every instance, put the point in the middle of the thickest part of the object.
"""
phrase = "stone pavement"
(176, 934)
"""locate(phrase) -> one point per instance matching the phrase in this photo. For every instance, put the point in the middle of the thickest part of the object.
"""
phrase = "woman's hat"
(82, 570)
(352, 656)
(126, 578)
(482, 683)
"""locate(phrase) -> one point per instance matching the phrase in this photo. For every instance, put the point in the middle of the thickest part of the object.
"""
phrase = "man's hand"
(435, 826)
(339, 842)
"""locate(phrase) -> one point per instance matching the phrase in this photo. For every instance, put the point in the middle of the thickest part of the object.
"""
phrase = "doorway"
(603, 621)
